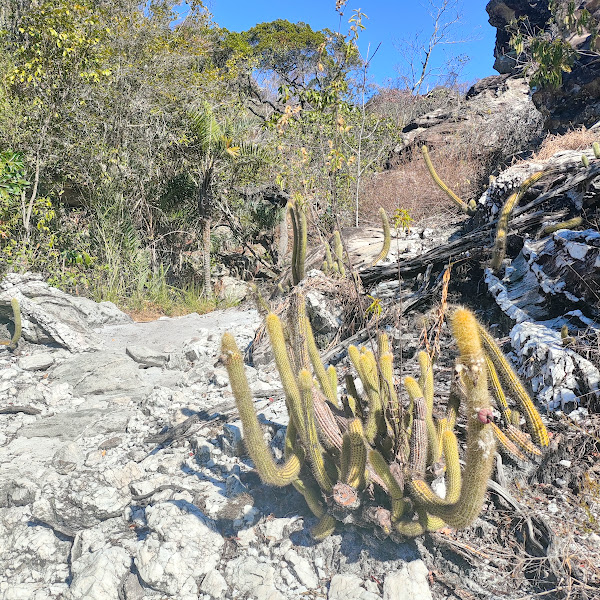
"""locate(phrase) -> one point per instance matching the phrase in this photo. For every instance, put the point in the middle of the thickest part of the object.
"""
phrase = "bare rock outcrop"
(50, 316)
(577, 101)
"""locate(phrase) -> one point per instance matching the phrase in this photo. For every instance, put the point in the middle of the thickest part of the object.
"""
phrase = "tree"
(417, 68)
(544, 55)
(57, 54)
(215, 148)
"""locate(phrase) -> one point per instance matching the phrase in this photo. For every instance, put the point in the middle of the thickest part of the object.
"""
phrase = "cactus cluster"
(333, 264)
(14, 303)
(469, 208)
(596, 150)
(370, 460)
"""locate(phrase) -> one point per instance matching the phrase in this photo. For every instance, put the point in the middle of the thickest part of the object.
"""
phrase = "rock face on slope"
(577, 101)
(493, 110)
(50, 316)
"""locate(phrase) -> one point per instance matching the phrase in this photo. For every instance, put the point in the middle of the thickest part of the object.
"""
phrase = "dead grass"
(409, 186)
(576, 139)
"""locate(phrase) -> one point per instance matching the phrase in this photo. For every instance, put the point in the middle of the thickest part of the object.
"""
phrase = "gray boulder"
(50, 316)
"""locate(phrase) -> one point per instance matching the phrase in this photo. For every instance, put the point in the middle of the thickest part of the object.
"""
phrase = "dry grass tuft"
(576, 139)
(410, 186)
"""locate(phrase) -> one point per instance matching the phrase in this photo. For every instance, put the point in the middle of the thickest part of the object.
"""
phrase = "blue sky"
(389, 23)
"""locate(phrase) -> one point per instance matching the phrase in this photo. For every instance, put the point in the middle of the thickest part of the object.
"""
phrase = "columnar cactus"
(299, 229)
(387, 238)
(338, 452)
(334, 265)
(469, 209)
(499, 251)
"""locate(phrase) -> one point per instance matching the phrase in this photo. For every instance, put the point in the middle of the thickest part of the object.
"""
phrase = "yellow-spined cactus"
(469, 208)
(367, 459)
(499, 251)
(387, 237)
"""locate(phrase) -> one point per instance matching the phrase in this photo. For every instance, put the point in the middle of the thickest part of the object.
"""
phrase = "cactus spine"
(387, 238)
(468, 209)
(538, 431)
(338, 250)
(570, 224)
(480, 438)
(269, 472)
(354, 456)
(499, 251)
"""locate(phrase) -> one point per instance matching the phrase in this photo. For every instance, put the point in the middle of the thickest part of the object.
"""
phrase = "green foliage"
(12, 175)
(134, 139)
(548, 54)
(328, 141)
(288, 49)
(402, 219)
(375, 470)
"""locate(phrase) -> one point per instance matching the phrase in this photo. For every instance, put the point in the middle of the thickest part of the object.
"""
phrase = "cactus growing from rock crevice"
(369, 461)
(499, 251)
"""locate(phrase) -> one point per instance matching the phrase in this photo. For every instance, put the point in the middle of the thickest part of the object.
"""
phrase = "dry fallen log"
(476, 244)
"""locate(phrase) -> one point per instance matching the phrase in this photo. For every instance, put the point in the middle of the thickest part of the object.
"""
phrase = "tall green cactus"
(387, 238)
(269, 472)
(470, 208)
(351, 448)
(499, 251)
(299, 228)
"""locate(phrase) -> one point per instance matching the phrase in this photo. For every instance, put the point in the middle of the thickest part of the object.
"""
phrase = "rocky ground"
(122, 476)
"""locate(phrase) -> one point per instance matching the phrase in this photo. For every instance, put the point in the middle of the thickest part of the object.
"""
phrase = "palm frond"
(205, 127)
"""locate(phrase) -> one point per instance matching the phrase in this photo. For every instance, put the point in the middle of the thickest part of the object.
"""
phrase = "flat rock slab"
(147, 357)
(167, 334)
(68, 426)
(36, 362)
(101, 373)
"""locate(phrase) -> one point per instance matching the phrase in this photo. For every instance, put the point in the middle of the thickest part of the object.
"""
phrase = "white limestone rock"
(182, 547)
(30, 554)
(409, 583)
(246, 574)
(302, 569)
(349, 587)
(98, 575)
(213, 584)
